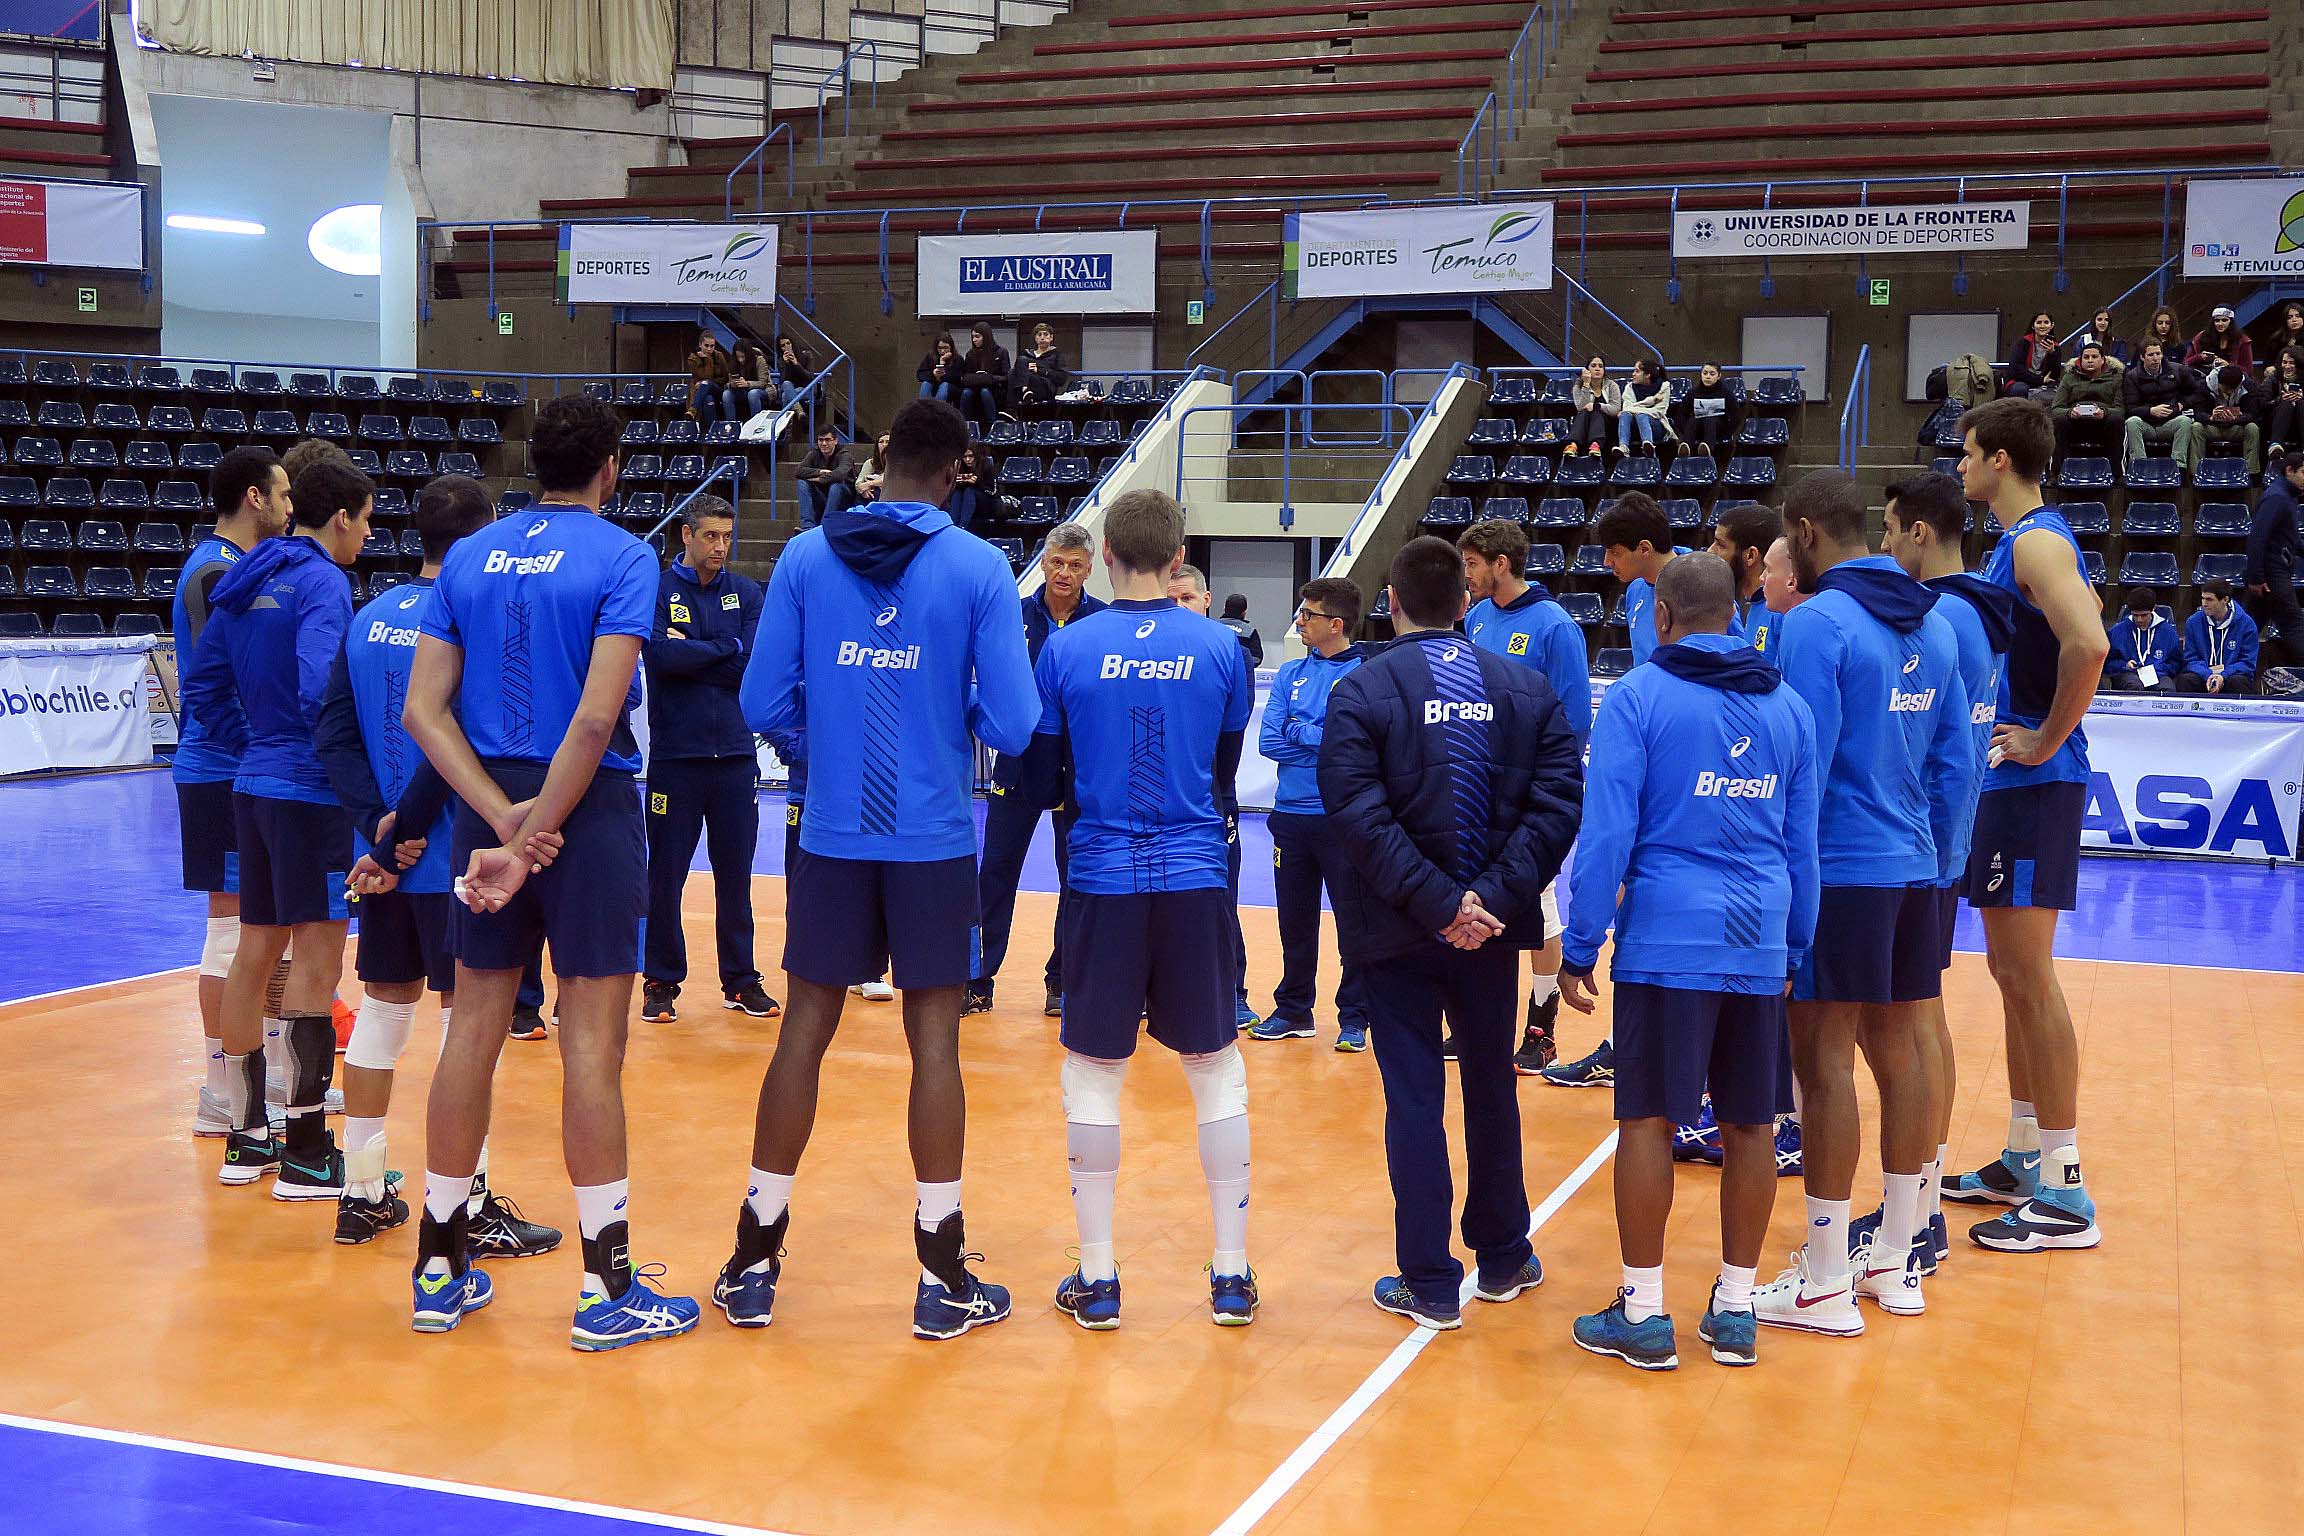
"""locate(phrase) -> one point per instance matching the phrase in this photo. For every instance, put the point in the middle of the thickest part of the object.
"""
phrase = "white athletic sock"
(479, 1191)
(1094, 1154)
(216, 1068)
(276, 1060)
(937, 1201)
(1932, 1190)
(1733, 1291)
(2023, 1127)
(1544, 990)
(598, 1206)
(769, 1194)
(2060, 1159)
(1224, 1162)
(442, 1194)
(1899, 1218)
(1827, 1239)
(1643, 1293)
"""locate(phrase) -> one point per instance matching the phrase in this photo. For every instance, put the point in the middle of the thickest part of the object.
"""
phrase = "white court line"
(1306, 1456)
(386, 1479)
(90, 986)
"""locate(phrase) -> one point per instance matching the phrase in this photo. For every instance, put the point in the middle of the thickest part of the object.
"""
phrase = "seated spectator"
(971, 489)
(708, 375)
(983, 375)
(2220, 645)
(2146, 653)
(827, 479)
(940, 372)
(1039, 375)
(874, 471)
(1643, 413)
(2036, 359)
(2161, 400)
(2289, 334)
(2088, 407)
(1598, 402)
(2165, 328)
(795, 371)
(1708, 412)
(2281, 403)
(747, 393)
(2100, 331)
(2223, 342)
(2231, 422)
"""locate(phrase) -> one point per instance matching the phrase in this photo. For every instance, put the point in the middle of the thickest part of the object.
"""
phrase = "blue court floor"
(90, 892)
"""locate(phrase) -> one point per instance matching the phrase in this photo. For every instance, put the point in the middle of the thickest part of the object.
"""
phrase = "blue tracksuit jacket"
(1293, 717)
(276, 622)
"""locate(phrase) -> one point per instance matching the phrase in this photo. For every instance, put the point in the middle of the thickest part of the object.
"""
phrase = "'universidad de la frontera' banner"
(1484, 248)
(1103, 272)
(2244, 228)
(72, 223)
(1876, 231)
(667, 264)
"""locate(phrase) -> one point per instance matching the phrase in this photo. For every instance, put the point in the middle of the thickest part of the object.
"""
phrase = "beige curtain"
(565, 42)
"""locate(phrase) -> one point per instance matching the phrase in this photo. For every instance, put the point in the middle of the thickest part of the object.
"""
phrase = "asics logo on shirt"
(1742, 745)
(500, 562)
(854, 655)
(1441, 711)
(384, 632)
(1902, 703)
(1177, 671)
(885, 616)
(1146, 628)
(1451, 653)
(538, 526)
(1911, 664)
(1710, 785)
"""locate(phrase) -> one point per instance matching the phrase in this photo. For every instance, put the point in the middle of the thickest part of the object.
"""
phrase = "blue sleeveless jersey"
(2028, 681)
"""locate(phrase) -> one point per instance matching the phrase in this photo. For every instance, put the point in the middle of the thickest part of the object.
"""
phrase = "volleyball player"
(1143, 707)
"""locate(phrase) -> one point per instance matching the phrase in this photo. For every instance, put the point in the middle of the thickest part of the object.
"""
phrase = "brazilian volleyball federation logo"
(2291, 226)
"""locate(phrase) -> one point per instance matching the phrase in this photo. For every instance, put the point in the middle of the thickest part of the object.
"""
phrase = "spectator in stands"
(795, 371)
(971, 488)
(2147, 652)
(940, 372)
(1598, 402)
(2271, 571)
(827, 479)
(2281, 402)
(2223, 342)
(2088, 406)
(874, 471)
(2289, 334)
(2160, 399)
(708, 375)
(1643, 414)
(2100, 331)
(747, 393)
(2220, 644)
(2036, 359)
(1039, 375)
(983, 375)
(2167, 330)
(2231, 420)
(1236, 620)
(1708, 412)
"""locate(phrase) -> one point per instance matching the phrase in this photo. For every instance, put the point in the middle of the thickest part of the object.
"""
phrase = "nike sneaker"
(1890, 1281)
(1794, 1300)
(2052, 1218)
(310, 1176)
(247, 1159)
(2009, 1179)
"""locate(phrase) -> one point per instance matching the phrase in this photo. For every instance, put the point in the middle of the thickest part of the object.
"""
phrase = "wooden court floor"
(2156, 1384)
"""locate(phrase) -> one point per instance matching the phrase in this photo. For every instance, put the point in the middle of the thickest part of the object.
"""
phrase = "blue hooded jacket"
(1537, 630)
(199, 759)
(2157, 643)
(275, 624)
(1699, 832)
(1983, 620)
(902, 631)
(2232, 645)
(1293, 718)
(1880, 673)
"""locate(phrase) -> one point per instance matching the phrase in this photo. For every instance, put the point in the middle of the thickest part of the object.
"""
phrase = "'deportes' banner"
(1484, 248)
(667, 264)
(73, 704)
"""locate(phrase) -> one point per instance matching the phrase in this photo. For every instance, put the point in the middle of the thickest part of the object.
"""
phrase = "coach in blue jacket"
(1453, 782)
(703, 771)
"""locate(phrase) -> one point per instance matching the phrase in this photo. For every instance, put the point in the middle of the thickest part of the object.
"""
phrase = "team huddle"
(1819, 752)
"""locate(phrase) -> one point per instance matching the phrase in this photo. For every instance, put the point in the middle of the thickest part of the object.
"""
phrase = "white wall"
(274, 339)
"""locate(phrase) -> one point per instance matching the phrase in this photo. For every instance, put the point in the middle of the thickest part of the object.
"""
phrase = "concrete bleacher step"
(1917, 160)
(1955, 139)
(1035, 105)
(1068, 165)
(1820, 107)
(1221, 42)
(1734, 41)
(1186, 129)
(1976, 67)
(1336, 63)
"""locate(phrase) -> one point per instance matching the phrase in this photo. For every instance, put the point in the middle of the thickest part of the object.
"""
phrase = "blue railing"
(1519, 83)
(1382, 437)
(845, 72)
(1492, 157)
(757, 158)
(1344, 546)
(1856, 412)
(729, 468)
(381, 372)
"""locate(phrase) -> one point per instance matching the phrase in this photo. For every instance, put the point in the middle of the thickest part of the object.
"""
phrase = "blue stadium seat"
(1013, 549)
(73, 492)
(214, 382)
(1525, 470)
(157, 539)
(1559, 390)
(2154, 474)
(454, 391)
(278, 426)
(1099, 433)
(121, 495)
(680, 432)
(1447, 512)
(61, 416)
(1515, 391)
(309, 386)
(1070, 472)
(684, 469)
(77, 626)
(1948, 464)
(379, 428)
(136, 623)
(18, 626)
(147, 454)
(12, 374)
(407, 464)
(2085, 472)
(1638, 471)
(2148, 568)
(158, 379)
(379, 545)
(108, 584)
(45, 581)
(513, 501)
(1561, 512)
(639, 434)
(1544, 560)
(433, 429)
(412, 391)
(92, 453)
(178, 496)
(110, 378)
(1591, 560)
(2150, 520)
(1492, 432)
(1776, 395)
(1583, 471)
(1764, 433)
(115, 416)
(502, 392)
(18, 491)
(2092, 562)
(722, 433)
(1004, 434)
(259, 383)
(738, 464)
(1545, 432)
(1512, 509)
(640, 469)
(1616, 614)
(1683, 512)
(15, 413)
(102, 535)
(1020, 470)
(365, 460)
(1038, 511)
(2229, 568)
(411, 544)
(1612, 661)
(38, 452)
(160, 583)
(55, 373)
(457, 463)
(643, 507)
(479, 430)
(2088, 518)
(2221, 475)
(199, 456)
(385, 581)
(1130, 392)
(391, 502)
(1584, 607)
(1470, 473)
(357, 386)
(635, 393)
(44, 534)
(1693, 470)
(170, 420)
(1750, 471)
(1051, 433)
(2221, 520)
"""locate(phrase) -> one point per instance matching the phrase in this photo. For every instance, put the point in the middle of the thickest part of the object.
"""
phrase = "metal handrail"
(672, 514)
(2159, 273)
(1517, 92)
(1471, 136)
(237, 365)
(1569, 327)
(1856, 413)
(845, 70)
(757, 154)
(1343, 550)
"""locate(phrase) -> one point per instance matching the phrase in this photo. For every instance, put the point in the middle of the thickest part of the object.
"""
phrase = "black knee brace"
(311, 1041)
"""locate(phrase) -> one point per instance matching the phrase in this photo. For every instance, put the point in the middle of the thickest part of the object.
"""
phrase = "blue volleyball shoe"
(443, 1300)
(638, 1316)
(1093, 1304)
(1648, 1345)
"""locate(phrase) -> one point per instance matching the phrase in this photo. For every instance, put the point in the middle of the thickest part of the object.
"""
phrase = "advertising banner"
(72, 223)
(1107, 272)
(2244, 228)
(1490, 248)
(73, 704)
(1851, 231)
(2222, 784)
(667, 264)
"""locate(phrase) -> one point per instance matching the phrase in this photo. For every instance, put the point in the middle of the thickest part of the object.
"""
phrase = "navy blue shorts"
(1165, 956)
(2026, 851)
(1673, 1044)
(1947, 918)
(293, 859)
(850, 921)
(209, 830)
(590, 902)
(1874, 944)
(404, 938)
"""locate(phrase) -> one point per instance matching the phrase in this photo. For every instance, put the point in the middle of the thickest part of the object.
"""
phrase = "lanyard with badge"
(2147, 675)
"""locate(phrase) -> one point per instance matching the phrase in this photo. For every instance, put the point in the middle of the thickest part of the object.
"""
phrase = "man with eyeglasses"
(1305, 856)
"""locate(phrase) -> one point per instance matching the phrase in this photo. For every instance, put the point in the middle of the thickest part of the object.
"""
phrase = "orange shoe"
(343, 1019)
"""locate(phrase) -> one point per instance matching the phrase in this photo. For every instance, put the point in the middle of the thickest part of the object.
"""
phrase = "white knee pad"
(1219, 1084)
(379, 1034)
(222, 943)
(1092, 1089)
